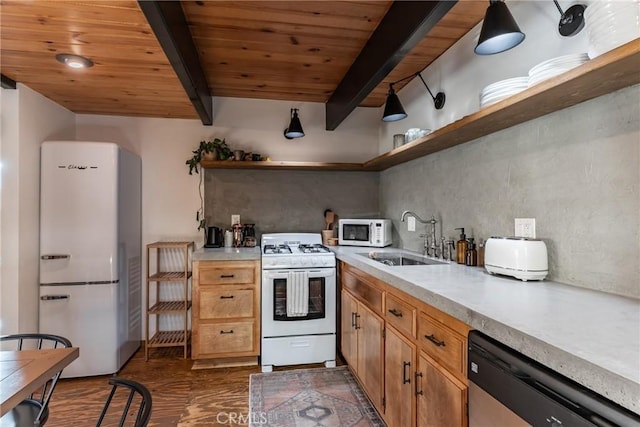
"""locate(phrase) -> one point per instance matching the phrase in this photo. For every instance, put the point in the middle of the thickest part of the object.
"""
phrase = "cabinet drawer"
(401, 315)
(225, 302)
(226, 275)
(441, 343)
(229, 337)
(364, 291)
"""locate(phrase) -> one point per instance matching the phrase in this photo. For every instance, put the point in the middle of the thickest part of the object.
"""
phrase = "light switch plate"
(525, 227)
(235, 219)
(411, 224)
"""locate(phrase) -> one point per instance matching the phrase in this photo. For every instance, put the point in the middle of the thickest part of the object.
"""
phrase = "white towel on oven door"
(297, 294)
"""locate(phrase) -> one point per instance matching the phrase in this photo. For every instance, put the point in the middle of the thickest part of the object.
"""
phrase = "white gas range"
(298, 300)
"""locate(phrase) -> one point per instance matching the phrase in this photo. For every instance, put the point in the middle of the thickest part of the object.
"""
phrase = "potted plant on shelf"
(208, 150)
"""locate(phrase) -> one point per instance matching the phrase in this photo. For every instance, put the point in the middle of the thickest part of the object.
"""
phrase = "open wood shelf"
(607, 73)
(180, 308)
(169, 339)
(280, 165)
(170, 306)
(170, 276)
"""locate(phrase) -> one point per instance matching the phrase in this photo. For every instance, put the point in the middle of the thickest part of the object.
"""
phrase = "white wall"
(28, 118)
(170, 194)
(461, 74)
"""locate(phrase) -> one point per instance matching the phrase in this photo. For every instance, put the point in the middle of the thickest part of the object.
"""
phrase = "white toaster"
(520, 257)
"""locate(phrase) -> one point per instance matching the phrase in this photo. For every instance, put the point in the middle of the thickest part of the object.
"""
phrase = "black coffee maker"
(215, 237)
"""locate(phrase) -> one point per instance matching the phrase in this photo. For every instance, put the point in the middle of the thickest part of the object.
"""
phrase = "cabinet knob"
(230, 331)
(227, 276)
(226, 296)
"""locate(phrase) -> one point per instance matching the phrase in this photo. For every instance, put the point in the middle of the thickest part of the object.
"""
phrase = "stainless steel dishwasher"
(508, 389)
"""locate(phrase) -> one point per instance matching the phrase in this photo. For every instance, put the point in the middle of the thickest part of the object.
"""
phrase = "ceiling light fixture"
(295, 127)
(393, 110)
(499, 30)
(572, 20)
(74, 61)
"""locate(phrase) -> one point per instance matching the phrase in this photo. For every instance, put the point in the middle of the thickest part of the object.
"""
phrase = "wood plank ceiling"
(283, 50)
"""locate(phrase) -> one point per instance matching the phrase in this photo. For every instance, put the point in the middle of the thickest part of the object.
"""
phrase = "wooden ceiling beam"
(169, 24)
(7, 83)
(403, 27)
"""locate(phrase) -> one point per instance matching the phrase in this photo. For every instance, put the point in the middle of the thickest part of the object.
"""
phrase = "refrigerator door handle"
(54, 297)
(56, 256)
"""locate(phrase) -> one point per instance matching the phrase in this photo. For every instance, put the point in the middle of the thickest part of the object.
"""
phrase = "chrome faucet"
(405, 213)
(432, 248)
(430, 243)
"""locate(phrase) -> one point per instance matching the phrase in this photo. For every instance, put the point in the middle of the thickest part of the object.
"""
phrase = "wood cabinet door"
(443, 400)
(348, 338)
(370, 357)
(399, 368)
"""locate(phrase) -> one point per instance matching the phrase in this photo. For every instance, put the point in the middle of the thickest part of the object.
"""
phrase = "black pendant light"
(393, 110)
(295, 127)
(499, 30)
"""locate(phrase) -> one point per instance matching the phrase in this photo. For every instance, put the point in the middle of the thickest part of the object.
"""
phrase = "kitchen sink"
(398, 259)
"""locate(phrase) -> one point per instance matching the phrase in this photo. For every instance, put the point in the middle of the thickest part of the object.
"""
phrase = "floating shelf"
(607, 73)
(279, 165)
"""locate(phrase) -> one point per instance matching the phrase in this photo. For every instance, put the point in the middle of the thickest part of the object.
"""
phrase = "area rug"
(322, 397)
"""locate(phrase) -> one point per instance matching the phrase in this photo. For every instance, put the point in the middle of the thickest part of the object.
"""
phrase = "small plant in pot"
(208, 150)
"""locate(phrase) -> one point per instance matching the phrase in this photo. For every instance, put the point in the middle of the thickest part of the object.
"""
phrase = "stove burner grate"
(277, 249)
(315, 248)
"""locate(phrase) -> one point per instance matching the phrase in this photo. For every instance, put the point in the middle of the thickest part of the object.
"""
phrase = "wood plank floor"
(181, 396)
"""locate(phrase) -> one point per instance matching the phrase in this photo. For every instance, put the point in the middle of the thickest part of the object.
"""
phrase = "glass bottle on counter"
(472, 254)
(461, 247)
(481, 254)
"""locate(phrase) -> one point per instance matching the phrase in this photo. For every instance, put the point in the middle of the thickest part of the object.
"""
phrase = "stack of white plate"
(555, 66)
(611, 23)
(503, 89)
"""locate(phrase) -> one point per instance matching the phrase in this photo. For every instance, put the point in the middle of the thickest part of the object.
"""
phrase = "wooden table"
(22, 372)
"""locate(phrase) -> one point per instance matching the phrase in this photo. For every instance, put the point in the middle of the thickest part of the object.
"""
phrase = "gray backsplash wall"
(576, 171)
(288, 201)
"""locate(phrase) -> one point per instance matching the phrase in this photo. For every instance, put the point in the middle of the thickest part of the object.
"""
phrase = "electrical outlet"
(525, 227)
(235, 219)
(411, 224)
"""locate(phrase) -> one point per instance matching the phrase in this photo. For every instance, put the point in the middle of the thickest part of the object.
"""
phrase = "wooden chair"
(34, 411)
(134, 388)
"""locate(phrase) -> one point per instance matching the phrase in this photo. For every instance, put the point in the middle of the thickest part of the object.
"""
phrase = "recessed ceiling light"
(74, 61)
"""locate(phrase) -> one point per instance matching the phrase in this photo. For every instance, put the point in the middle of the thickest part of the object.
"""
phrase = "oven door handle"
(284, 274)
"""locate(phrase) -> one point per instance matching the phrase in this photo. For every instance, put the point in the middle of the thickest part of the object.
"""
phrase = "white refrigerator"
(90, 252)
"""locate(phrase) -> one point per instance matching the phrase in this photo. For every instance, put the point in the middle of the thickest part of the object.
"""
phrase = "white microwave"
(364, 232)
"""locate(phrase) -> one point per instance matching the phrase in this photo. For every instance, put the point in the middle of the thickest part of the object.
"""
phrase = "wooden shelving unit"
(607, 73)
(176, 338)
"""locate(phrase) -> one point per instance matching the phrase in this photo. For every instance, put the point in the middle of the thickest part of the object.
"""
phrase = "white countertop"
(588, 336)
(227, 254)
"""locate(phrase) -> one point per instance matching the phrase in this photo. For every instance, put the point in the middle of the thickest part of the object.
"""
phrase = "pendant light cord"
(558, 6)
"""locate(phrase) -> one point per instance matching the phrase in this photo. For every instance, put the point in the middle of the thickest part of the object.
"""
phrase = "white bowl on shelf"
(610, 24)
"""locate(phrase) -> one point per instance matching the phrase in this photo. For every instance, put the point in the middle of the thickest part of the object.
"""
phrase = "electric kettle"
(215, 237)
